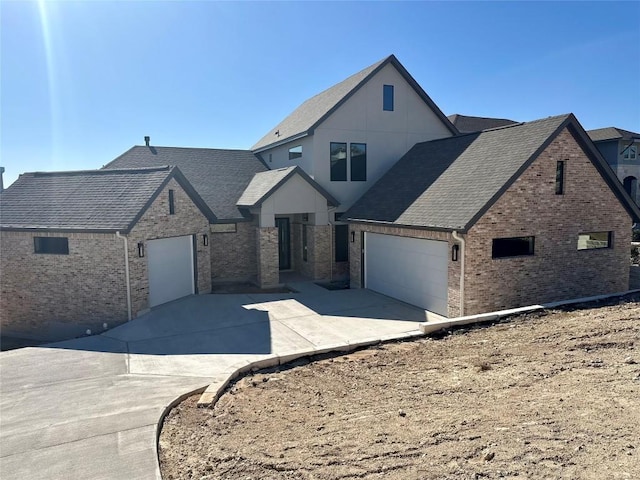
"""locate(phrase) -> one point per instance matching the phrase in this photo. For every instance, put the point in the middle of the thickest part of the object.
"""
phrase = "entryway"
(284, 243)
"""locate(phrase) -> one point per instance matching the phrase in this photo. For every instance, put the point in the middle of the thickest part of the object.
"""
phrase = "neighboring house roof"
(314, 111)
(611, 133)
(219, 176)
(450, 183)
(87, 200)
(467, 124)
(265, 183)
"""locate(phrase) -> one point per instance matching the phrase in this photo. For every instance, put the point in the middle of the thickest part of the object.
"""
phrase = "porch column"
(319, 252)
(267, 256)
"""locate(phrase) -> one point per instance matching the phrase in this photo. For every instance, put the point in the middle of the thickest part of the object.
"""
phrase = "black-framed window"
(338, 162)
(594, 240)
(52, 245)
(630, 153)
(341, 243)
(172, 205)
(295, 152)
(358, 162)
(560, 177)
(512, 247)
(387, 98)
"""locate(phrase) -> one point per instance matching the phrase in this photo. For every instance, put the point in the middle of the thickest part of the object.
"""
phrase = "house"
(367, 181)
(518, 215)
(468, 124)
(621, 150)
(84, 248)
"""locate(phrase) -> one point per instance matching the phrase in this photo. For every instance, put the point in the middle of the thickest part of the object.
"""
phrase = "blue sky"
(81, 82)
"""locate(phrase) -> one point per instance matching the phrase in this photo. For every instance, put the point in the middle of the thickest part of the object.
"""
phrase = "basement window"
(594, 240)
(51, 245)
(295, 152)
(512, 247)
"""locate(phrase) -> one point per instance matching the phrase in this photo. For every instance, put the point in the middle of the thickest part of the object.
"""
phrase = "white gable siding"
(280, 155)
(388, 134)
(294, 196)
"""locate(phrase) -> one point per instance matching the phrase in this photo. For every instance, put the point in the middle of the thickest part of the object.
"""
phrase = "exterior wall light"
(205, 239)
(353, 237)
(454, 252)
(140, 249)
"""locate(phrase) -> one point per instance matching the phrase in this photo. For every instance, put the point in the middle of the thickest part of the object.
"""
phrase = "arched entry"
(631, 185)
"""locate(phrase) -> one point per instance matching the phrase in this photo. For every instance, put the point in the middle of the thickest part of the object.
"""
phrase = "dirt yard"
(536, 397)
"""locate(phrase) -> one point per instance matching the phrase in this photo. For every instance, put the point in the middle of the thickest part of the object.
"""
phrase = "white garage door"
(170, 265)
(410, 269)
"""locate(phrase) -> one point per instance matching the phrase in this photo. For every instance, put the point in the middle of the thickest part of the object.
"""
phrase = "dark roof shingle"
(445, 183)
(611, 133)
(467, 124)
(96, 200)
(219, 176)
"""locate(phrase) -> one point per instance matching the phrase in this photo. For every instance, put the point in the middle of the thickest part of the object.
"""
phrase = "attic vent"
(147, 140)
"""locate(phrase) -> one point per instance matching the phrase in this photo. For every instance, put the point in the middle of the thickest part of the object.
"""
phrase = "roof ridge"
(245, 150)
(100, 171)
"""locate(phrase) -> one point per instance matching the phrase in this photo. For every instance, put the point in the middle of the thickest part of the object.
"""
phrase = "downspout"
(458, 238)
(126, 272)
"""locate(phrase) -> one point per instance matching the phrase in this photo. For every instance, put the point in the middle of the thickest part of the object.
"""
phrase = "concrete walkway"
(89, 408)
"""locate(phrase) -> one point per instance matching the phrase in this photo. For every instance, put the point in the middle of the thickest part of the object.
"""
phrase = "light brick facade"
(530, 207)
(55, 296)
(558, 270)
(234, 255)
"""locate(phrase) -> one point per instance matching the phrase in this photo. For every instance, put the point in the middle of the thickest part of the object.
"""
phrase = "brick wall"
(558, 270)
(57, 296)
(233, 255)
(267, 255)
(453, 269)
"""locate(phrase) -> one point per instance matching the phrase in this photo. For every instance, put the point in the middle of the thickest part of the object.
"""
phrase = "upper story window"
(560, 177)
(172, 204)
(338, 162)
(387, 98)
(358, 162)
(295, 152)
(630, 153)
(591, 240)
(55, 245)
(512, 247)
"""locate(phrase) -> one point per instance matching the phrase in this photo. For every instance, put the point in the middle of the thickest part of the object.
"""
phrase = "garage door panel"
(409, 269)
(170, 266)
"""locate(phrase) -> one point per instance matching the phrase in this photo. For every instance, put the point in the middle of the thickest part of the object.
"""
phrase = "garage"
(171, 269)
(413, 270)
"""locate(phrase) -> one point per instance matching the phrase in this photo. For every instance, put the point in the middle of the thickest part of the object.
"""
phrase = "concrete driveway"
(89, 408)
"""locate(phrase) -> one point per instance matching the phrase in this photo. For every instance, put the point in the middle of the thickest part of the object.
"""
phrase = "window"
(338, 162)
(591, 240)
(57, 245)
(172, 206)
(270, 158)
(358, 162)
(295, 152)
(342, 243)
(630, 153)
(387, 98)
(512, 247)
(560, 177)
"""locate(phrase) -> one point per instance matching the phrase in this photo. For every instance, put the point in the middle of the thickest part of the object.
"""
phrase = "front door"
(284, 243)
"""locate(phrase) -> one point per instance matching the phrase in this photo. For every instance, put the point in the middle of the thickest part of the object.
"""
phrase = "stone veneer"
(55, 296)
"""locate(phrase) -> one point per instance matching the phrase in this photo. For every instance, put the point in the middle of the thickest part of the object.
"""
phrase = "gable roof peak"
(312, 112)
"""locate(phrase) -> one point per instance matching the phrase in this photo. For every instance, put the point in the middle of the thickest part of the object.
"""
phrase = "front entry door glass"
(284, 243)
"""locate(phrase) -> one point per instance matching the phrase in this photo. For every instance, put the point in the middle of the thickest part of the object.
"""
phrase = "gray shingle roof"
(467, 124)
(95, 200)
(447, 183)
(264, 184)
(219, 176)
(312, 112)
(611, 133)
